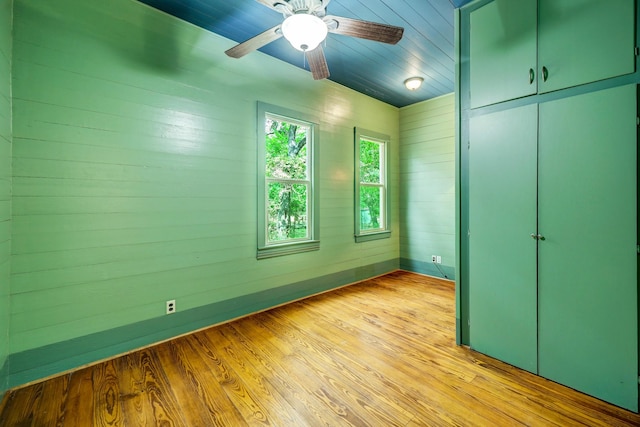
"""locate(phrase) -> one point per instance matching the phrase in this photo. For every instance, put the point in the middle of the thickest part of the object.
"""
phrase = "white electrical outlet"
(171, 306)
(439, 260)
(434, 258)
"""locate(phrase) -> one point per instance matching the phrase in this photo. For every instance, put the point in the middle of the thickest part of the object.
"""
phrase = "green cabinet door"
(588, 325)
(502, 254)
(581, 41)
(502, 51)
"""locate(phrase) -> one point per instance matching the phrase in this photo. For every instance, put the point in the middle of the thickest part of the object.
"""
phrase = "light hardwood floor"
(378, 353)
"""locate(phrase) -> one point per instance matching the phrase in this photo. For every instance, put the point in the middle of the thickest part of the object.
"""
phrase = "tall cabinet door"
(581, 41)
(502, 51)
(588, 279)
(502, 216)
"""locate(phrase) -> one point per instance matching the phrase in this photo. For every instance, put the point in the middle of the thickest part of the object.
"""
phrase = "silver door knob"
(537, 236)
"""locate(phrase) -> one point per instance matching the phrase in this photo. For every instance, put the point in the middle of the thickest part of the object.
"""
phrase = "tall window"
(371, 189)
(287, 198)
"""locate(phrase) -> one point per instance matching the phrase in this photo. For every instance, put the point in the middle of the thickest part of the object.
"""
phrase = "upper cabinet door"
(520, 48)
(582, 41)
(502, 56)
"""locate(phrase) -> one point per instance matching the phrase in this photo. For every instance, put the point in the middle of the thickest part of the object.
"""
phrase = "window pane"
(370, 208)
(370, 161)
(286, 150)
(287, 216)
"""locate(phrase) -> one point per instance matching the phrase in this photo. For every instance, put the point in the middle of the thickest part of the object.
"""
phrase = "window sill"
(287, 249)
(372, 236)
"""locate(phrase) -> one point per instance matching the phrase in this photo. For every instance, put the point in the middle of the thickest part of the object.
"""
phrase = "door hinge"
(469, 233)
(637, 121)
(636, 50)
(468, 144)
(638, 249)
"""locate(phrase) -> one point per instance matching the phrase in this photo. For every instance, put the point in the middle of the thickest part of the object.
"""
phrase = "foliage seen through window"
(288, 182)
(371, 185)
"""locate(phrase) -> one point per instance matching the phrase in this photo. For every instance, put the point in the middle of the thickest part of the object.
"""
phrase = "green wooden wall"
(134, 175)
(5, 183)
(427, 186)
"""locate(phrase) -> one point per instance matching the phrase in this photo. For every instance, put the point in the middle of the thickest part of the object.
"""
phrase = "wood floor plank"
(378, 353)
(131, 381)
(159, 390)
(255, 377)
(197, 392)
(339, 381)
(21, 406)
(245, 400)
(106, 396)
(50, 412)
(271, 357)
(79, 406)
(356, 378)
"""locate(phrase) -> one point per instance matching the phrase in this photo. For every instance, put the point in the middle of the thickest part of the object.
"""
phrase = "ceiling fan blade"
(318, 63)
(364, 29)
(254, 43)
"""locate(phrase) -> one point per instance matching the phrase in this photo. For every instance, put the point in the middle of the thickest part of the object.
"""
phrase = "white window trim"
(385, 232)
(312, 243)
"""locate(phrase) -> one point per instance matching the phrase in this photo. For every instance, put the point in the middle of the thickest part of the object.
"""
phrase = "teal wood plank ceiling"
(375, 69)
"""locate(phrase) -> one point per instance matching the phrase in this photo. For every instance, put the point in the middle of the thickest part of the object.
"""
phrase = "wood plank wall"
(5, 182)
(427, 198)
(134, 174)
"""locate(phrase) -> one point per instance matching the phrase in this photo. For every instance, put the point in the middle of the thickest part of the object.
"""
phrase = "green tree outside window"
(371, 201)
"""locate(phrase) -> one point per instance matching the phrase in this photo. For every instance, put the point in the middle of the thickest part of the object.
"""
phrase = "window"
(287, 194)
(371, 192)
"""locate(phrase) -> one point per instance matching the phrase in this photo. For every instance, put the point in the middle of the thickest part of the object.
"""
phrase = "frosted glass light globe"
(305, 32)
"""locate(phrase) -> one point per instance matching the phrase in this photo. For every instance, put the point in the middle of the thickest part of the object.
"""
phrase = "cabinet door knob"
(532, 75)
(545, 74)
(537, 236)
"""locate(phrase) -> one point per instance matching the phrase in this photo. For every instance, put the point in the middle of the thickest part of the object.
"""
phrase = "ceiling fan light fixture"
(304, 31)
(413, 83)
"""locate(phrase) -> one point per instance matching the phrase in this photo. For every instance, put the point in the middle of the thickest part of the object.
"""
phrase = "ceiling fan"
(306, 25)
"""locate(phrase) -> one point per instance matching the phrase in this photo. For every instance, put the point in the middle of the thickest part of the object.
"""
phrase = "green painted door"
(588, 325)
(502, 51)
(502, 254)
(581, 41)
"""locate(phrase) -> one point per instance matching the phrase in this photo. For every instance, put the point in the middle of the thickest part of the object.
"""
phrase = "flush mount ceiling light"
(413, 83)
(304, 31)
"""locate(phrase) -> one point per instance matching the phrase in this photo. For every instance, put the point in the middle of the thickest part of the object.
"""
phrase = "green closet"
(549, 190)
(552, 241)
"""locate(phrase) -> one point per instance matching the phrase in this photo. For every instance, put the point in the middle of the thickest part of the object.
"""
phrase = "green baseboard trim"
(4, 378)
(428, 268)
(38, 363)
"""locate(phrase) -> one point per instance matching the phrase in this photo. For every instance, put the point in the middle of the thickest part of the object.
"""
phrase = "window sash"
(381, 204)
(269, 241)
